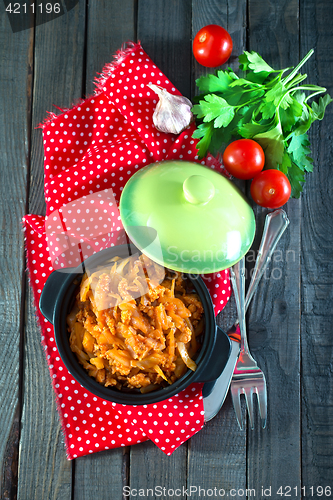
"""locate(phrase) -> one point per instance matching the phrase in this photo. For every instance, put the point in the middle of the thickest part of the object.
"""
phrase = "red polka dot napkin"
(91, 151)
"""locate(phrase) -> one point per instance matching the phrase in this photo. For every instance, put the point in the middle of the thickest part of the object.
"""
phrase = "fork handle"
(237, 275)
(275, 224)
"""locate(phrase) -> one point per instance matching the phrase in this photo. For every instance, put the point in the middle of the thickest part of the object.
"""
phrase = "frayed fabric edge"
(53, 116)
(109, 68)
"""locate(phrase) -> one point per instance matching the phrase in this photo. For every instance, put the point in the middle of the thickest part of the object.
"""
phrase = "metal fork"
(248, 378)
(275, 224)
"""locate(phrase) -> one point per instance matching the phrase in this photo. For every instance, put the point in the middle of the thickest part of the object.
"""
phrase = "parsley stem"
(295, 81)
(251, 101)
(315, 93)
(311, 87)
(318, 90)
(299, 65)
(271, 83)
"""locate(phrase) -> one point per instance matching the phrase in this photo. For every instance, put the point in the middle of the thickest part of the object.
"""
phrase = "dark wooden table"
(290, 319)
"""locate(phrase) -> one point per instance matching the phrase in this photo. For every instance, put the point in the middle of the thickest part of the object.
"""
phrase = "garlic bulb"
(172, 113)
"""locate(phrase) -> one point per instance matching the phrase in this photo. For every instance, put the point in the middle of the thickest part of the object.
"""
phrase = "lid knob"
(198, 190)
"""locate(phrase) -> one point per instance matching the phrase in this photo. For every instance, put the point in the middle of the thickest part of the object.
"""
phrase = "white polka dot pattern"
(90, 152)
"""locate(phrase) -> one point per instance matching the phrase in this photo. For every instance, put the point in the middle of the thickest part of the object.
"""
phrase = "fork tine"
(262, 400)
(235, 394)
(249, 404)
(248, 377)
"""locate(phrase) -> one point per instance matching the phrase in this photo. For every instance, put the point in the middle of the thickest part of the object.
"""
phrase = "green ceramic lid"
(187, 217)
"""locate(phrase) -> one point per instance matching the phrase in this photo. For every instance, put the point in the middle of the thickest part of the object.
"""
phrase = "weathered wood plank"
(229, 14)
(109, 26)
(317, 265)
(58, 75)
(150, 467)
(58, 65)
(217, 454)
(164, 29)
(44, 471)
(15, 125)
(100, 472)
(274, 319)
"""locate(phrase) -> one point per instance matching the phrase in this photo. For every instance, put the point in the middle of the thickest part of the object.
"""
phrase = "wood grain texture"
(164, 29)
(108, 28)
(99, 474)
(44, 471)
(15, 124)
(295, 296)
(58, 76)
(231, 15)
(317, 264)
(217, 455)
(273, 454)
(150, 467)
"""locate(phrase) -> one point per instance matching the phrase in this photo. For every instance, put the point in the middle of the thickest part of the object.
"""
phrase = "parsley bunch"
(263, 105)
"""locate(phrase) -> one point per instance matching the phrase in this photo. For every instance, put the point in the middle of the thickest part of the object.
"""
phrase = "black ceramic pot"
(57, 300)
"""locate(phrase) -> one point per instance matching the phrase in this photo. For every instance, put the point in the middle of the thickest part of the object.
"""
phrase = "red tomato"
(270, 189)
(212, 46)
(244, 158)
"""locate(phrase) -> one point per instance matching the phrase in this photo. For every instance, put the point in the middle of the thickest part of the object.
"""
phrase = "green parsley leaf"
(311, 114)
(244, 97)
(294, 174)
(299, 149)
(261, 77)
(214, 108)
(296, 179)
(211, 138)
(299, 96)
(289, 116)
(244, 116)
(232, 74)
(272, 143)
(221, 137)
(263, 105)
(319, 109)
(203, 131)
(244, 83)
(249, 130)
(279, 95)
(304, 123)
(214, 83)
(285, 164)
(252, 60)
(267, 109)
